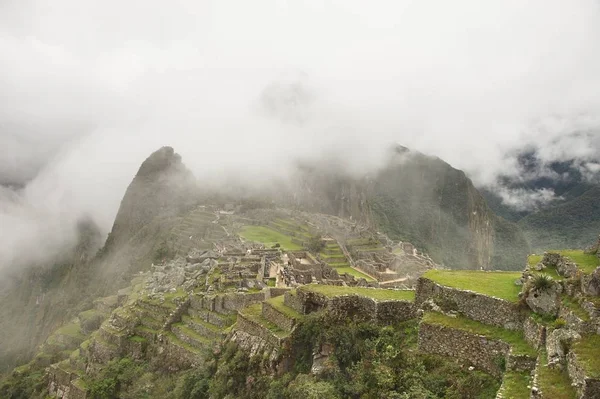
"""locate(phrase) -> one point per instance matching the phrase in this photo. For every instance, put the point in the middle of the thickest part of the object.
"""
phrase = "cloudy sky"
(89, 89)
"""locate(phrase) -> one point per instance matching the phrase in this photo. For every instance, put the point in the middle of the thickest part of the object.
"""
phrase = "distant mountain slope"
(422, 200)
(39, 298)
(573, 224)
(570, 220)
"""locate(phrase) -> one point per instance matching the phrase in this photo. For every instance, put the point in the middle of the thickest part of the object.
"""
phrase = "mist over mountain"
(554, 201)
(226, 148)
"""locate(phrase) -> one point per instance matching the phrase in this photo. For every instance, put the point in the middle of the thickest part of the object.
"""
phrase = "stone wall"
(481, 352)
(226, 303)
(534, 333)
(275, 292)
(486, 309)
(258, 330)
(576, 323)
(291, 300)
(373, 271)
(587, 387)
(282, 320)
(389, 312)
(63, 384)
(353, 307)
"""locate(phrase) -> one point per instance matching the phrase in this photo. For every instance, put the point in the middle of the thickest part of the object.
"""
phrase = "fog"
(89, 89)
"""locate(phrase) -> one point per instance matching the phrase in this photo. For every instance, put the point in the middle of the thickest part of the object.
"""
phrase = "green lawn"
(353, 272)
(498, 284)
(554, 382)
(514, 338)
(515, 385)
(375, 293)
(269, 237)
(533, 260)
(588, 352)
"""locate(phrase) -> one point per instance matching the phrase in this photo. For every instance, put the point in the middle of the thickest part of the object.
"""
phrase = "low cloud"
(245, 89)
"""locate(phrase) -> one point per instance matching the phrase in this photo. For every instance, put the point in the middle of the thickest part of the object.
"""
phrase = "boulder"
(544, 302)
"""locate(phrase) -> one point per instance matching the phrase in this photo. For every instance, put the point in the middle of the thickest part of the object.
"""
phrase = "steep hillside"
(38, 299)
(573, 224)
(425, 201)
(162, 187)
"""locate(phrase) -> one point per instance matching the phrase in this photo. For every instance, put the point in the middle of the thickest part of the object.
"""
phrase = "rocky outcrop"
(544, 301)
(163, 186)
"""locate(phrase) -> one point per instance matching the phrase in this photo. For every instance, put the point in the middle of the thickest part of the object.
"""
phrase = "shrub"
(559, 323)
(542, 282)
(316, 244)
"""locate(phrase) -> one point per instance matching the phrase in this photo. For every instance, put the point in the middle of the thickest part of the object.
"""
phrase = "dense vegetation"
(573, 224)
(367, 361)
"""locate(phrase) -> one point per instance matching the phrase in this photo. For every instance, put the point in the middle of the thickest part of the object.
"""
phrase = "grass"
(278, 304)
(586, 262)
(72, 330)
(269, 237)
(271, 282)
(79, 383)
(254, 313)
(353, 272)
(588, 352)
(514, 338)
(497, 284)
(533, 260)
(375, 293)
(554, 382)
(291, 223)
(552, 272)
(205, 324)
(515, 385)
(137, 338)
(573, 305)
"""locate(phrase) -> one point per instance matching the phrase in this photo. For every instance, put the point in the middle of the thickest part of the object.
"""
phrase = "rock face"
(545, 302)
(420, 199)
(163, 186)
